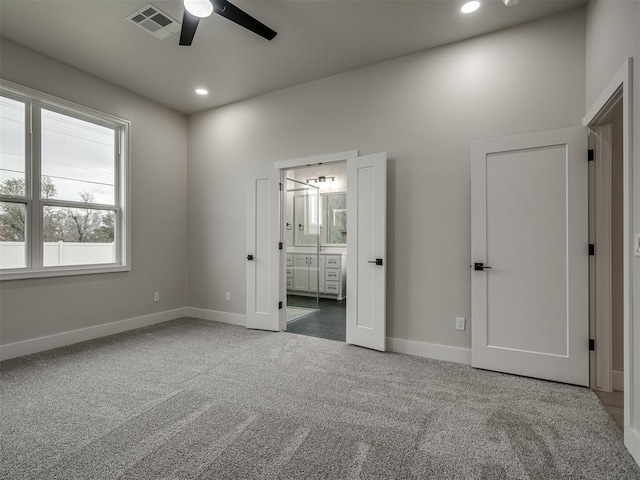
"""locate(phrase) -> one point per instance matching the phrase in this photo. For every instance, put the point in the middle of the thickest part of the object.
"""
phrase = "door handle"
(250, 257)
(377, 261)
(479, 267)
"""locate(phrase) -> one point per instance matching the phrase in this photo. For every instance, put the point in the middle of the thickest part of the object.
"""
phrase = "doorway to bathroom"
(315, 226)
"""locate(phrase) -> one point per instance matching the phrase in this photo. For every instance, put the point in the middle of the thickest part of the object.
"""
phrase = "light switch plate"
(636, 244)
(460, 323)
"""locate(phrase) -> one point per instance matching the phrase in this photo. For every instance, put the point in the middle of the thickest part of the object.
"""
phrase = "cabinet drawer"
(289, 272)
(289, 260)
(333, 261)
(290, 283)
(333, 274)
(332, 287)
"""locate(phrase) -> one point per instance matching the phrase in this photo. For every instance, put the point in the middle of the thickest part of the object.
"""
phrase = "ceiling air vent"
(154, 21)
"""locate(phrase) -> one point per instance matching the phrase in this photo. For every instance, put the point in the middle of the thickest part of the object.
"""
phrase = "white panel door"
(529, 253)
(263, 254)
(366, 251)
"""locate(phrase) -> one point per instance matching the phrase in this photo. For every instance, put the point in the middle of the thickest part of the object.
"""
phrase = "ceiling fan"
(194, 10)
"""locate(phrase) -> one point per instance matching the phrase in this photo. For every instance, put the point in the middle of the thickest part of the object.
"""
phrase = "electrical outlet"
(636, 245)
(156, 296)
(460, 323)
(227, 296)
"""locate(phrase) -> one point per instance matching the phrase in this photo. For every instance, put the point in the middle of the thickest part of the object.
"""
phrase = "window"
(63, 187)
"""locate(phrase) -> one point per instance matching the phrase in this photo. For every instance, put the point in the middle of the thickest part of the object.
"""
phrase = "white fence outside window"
(12, 254)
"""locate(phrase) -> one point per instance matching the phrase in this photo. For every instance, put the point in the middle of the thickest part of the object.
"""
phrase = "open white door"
(366, 251)
(263, 254)
(529, 248)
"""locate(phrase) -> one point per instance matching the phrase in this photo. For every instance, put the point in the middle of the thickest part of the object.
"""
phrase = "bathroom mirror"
(328, 219)
(336, 218)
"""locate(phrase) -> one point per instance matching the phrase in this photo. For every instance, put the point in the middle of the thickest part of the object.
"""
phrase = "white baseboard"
(617, 380)
(217, 316)
(430, 350)
(40, 344)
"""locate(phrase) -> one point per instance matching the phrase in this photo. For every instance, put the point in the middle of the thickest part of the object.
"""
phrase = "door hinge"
(279, 245)
(592, 249)
(592, 345)
(280, 186)
(591, 155)
(279, 305)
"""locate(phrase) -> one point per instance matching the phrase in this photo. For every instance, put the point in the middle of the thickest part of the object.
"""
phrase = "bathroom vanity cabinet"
(310, 273)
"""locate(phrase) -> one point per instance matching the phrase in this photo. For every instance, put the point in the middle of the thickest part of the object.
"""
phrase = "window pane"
(12, 229)
(78, 160)
(12, 145)
(78, 236)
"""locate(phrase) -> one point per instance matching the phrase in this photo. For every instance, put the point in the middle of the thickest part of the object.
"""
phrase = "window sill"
(63, 272)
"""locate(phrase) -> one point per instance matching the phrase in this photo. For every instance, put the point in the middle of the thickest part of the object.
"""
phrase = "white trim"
(283, 166)
(71, 270)
(617, 380)
(632, 442)
(602, 263)
(609, 95)
(326, 158)
(624, 79)
(40, 344)
(397, 345)
(217, 316)
(430, 350)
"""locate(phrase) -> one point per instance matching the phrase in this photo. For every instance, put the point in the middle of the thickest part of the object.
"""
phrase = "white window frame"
(34, 238)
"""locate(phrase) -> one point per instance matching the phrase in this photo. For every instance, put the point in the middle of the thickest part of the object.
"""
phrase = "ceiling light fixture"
(202, 91)
(469, 7)
(199, 8)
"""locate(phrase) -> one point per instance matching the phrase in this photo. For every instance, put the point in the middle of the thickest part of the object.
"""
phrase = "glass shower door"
(304, 247)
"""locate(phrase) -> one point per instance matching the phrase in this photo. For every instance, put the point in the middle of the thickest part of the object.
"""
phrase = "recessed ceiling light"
(470, 7)
(202, 91)
(199, 8)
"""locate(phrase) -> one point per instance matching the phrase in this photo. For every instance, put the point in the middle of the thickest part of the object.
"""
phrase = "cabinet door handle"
(377, 261)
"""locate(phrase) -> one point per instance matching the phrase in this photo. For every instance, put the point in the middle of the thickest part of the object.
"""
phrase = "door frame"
(600, 278)
(283, 166)
(621, 85)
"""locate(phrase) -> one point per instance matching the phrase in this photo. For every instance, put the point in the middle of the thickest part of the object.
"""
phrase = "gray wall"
(35, 308)
(424, 110)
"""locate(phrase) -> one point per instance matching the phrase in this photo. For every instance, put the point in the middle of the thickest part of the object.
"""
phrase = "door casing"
(283, 166)
(623, 82)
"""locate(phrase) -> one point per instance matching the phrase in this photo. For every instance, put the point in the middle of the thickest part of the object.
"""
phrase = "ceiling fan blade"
(189, 26)
(242, 18)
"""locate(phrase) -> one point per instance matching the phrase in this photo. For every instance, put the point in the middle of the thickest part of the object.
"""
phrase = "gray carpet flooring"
(193, 399)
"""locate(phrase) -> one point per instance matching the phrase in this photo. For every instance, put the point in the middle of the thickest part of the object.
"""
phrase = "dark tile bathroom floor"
(328, 322)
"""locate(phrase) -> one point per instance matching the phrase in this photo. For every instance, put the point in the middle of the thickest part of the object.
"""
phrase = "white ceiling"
(316, 38)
